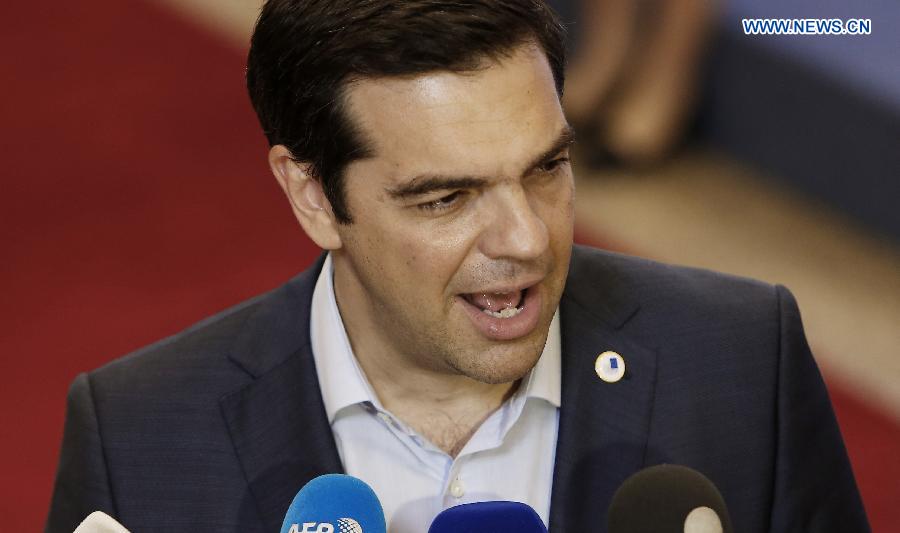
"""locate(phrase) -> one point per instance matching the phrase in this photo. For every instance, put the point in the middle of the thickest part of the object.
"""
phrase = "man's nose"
(513, 229)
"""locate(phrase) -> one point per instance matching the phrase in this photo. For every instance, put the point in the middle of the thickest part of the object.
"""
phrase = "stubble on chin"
(507, 364)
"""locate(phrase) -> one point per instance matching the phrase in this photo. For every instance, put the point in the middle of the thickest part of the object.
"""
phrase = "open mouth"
(498, 304)
(505, 315)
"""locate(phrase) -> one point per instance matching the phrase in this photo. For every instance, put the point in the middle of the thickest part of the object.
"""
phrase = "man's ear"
(308, 201)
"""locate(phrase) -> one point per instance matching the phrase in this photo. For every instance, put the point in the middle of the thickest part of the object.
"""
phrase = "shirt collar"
(343, 382)
(341, 379)
(543, 381)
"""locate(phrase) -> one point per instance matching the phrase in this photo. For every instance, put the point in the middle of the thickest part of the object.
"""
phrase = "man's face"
(463, 218)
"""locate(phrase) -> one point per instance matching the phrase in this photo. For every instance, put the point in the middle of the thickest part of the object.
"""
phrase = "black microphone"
(668, 499)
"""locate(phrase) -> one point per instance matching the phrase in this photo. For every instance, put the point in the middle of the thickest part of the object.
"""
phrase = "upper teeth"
(509, 312)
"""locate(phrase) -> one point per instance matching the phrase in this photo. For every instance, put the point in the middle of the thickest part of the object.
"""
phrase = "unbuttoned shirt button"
(457, 490)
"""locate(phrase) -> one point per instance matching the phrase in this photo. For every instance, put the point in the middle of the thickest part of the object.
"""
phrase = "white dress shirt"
(510, 457)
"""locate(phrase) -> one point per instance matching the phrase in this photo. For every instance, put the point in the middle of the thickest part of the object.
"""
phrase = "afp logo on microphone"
(344, 525)
(323, 505)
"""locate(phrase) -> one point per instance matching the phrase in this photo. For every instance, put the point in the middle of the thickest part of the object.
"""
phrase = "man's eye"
(444, 202)
(554, 165)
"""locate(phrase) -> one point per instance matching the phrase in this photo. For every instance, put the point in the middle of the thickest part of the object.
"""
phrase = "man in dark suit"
(450, 346)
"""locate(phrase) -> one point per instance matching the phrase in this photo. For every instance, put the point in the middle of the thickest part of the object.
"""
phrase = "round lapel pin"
(610, 367)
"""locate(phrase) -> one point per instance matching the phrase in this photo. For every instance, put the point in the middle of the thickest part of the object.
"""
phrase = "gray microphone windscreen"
(668, 499)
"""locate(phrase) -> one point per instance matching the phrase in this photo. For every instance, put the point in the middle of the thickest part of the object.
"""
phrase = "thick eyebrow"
(421, 185)
(426, 183)
(565, 139)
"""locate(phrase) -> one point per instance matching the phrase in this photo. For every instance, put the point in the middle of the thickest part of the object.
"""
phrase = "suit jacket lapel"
(277, 423)
(603, 427)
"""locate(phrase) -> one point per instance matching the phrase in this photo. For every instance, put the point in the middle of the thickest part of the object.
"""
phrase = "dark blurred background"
(136, 197)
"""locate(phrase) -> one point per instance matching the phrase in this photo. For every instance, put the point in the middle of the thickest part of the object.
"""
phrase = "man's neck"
(445, 409)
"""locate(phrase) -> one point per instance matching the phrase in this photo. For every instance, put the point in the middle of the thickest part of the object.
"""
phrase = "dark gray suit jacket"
(216, 428)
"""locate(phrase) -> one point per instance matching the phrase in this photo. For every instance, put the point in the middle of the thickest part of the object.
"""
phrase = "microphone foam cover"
(662, 497)
(488, 517)
(346, 504)
(100, 522)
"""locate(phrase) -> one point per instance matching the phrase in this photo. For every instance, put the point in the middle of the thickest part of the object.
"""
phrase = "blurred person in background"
(633, 78)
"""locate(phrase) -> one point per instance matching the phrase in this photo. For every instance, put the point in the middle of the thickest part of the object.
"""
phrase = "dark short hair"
(303, 53)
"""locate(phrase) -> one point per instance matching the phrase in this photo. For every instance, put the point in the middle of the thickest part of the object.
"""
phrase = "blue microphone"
(488, 517)
(335, 503)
